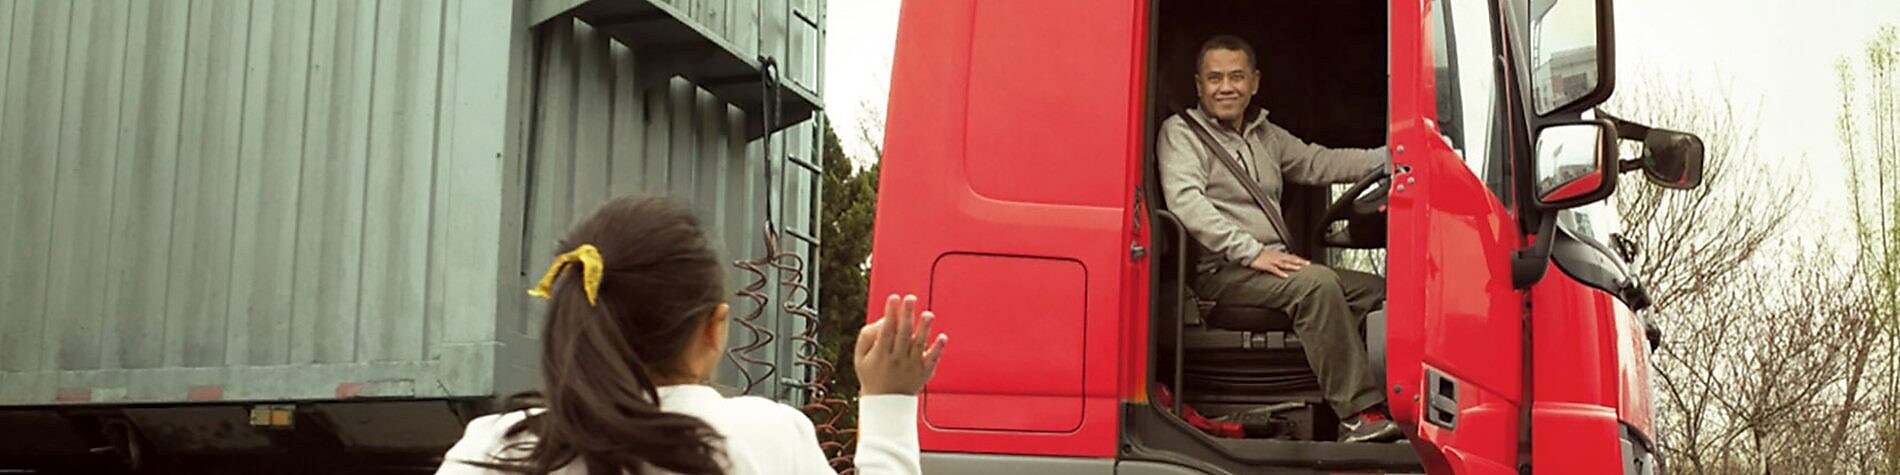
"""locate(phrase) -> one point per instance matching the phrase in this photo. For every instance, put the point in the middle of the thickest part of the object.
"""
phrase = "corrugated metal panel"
(275, 198)
(789, 30)
(214, 184)
(742, 30)
(28, 144)
(143, 191)
(600, 131)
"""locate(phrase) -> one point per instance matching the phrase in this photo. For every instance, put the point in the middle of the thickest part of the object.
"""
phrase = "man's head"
(1226, 78)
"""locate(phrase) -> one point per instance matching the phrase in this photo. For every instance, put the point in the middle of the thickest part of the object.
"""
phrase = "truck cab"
(1019, 200)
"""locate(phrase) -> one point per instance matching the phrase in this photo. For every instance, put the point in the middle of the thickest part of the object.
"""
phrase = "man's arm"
(1309, 164)
(1184, 187)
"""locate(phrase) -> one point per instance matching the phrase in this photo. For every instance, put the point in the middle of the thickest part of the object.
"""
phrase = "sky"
(1774, 56)
(859, 37)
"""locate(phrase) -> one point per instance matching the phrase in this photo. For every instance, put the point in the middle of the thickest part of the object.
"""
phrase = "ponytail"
(613, 329)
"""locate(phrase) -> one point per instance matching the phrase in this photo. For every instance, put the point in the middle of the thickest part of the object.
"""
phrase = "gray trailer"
(238, 229)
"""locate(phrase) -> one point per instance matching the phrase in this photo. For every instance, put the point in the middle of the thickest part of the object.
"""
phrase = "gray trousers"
(1328, 307)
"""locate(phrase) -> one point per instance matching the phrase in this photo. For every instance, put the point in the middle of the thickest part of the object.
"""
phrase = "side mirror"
(1572, 54)
(1576, 164)
(1672, 159)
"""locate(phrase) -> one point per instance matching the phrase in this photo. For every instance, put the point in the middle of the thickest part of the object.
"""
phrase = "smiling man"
(1246, 262)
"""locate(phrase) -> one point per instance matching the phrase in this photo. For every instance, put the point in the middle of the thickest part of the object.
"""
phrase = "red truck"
(1019, 199)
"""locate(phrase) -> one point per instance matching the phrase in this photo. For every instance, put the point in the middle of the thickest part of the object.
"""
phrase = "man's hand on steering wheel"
(1278, 263)
(1365, 198)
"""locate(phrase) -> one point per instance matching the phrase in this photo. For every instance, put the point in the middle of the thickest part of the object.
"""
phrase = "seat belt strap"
(1233, 166)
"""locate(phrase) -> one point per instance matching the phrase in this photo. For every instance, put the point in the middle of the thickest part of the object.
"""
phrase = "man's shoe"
(1370, 426)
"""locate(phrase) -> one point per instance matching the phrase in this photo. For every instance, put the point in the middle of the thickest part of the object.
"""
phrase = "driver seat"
(1237, 318)
(1212, 325)
(1230, 353)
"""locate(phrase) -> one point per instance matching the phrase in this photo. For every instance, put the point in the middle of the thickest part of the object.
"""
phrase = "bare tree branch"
(1764, 330)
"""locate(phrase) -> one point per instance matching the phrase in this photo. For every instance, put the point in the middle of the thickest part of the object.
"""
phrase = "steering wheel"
(1362, 206)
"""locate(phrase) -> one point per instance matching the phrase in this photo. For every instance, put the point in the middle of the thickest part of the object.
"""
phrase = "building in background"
(244, 226)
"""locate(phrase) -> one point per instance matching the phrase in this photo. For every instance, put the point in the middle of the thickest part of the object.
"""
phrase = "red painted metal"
(1487, 427)
(1450, 304)
(1007, 203)
(1138, 223)
(1635, 397)
(1590, 375)
(1044, 303)
(1573, 422)
(1011, 141)
(1583, 186)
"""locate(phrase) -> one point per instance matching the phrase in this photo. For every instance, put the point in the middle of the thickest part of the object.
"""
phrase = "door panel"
(1011, 135)
(1043, 301)
(1450, 306)
(1574, 420)
(1028, 84)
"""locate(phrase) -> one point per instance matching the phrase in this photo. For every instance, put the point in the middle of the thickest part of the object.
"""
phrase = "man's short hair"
(1226, 42)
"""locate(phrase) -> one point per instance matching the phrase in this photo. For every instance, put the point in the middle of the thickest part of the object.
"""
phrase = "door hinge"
(1141, 198)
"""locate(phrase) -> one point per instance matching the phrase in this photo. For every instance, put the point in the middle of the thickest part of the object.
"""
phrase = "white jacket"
(761, 436)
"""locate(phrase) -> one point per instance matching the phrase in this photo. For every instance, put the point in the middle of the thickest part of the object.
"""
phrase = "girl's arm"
(479, 442)
(887, 438)
(808, 458)
(887, 435)
(894, 360)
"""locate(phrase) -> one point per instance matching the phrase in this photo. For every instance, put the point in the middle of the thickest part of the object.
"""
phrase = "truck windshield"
(1593, 222)
(1463, 52)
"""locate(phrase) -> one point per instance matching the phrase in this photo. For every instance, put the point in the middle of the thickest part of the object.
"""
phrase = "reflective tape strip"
(204, 393)
(348, 390)
(73, 395)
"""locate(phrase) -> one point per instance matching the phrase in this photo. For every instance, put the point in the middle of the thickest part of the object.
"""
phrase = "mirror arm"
(1529, 264)
(1629, 165)
(1625, 129)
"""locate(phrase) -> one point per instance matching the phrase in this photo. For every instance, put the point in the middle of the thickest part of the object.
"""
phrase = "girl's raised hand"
(895, 356)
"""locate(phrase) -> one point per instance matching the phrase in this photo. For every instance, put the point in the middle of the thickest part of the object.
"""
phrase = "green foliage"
(1869, 125)
(848, 204)
(1870, 139)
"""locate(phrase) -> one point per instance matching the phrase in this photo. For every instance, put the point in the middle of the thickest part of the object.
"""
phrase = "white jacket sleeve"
(808, 458)
(479, 443)
(887, 435)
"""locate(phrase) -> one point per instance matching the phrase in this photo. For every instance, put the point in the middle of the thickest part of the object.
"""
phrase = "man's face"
(1226, 83)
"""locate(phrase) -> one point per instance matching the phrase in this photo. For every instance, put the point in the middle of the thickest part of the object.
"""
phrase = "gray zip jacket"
(1217, 211)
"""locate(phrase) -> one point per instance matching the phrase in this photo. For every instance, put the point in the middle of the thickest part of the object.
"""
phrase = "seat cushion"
(1246, 318)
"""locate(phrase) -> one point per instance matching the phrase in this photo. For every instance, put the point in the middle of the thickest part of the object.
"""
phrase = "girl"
(636, 324)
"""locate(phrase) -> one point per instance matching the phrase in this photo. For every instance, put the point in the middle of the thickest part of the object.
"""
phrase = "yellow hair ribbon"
(589, 259)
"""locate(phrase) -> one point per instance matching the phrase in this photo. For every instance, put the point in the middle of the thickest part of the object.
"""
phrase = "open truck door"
(1451, 331)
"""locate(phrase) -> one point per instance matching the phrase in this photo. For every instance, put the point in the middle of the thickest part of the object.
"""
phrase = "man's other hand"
(1278, 263)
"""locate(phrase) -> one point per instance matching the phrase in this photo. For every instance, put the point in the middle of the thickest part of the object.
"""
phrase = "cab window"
(1469, 112)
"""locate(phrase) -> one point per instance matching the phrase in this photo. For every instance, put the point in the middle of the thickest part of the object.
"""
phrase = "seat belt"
(1240, 174)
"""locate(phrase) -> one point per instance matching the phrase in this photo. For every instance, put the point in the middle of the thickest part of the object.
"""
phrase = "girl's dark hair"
(660, 283)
